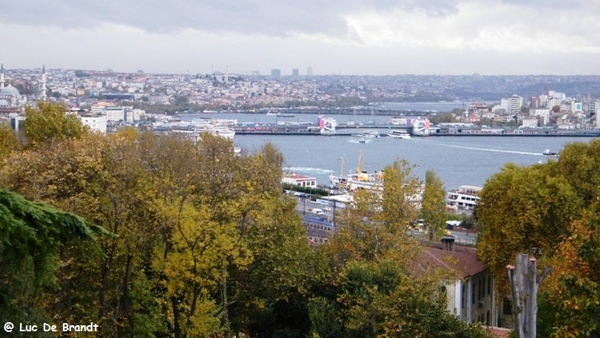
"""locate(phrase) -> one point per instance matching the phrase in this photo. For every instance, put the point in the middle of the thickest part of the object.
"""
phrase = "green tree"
(31, 237)
(8, 141)
(50, 122)
(523, 210)
(433, 207)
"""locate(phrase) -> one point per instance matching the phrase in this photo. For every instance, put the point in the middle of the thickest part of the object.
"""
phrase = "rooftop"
(462, 261)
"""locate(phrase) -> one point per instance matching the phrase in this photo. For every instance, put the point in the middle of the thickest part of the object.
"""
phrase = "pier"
(345, 130)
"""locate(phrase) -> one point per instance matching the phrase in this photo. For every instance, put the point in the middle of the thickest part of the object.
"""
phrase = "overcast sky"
(359, 37)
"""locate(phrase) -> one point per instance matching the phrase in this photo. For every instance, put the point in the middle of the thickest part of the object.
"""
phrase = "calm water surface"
(457, 160)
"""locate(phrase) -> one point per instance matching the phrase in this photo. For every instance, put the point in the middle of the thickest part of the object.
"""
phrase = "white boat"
(195, 133)
(464, 198)
(401, 134)
(358, 180)
(367, 134)
(225, 132)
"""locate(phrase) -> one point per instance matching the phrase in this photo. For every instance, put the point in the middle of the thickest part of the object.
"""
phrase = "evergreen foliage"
(31, 237)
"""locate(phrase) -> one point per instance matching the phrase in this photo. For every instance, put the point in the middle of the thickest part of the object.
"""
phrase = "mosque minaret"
(43, 96)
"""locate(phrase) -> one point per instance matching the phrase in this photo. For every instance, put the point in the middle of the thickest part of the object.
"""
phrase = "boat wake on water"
(359, 141)
(308, 170)
(492, 150)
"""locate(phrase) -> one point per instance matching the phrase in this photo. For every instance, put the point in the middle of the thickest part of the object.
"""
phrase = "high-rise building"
(309, 71)
(295, 72)
(275, 72)
(515, 103)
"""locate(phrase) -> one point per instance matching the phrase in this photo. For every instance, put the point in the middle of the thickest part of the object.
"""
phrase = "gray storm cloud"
(268, 17)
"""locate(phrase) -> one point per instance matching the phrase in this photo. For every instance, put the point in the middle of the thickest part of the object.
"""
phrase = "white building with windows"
(543, 114)
(299, 180)
(530, 122)
(95, 121)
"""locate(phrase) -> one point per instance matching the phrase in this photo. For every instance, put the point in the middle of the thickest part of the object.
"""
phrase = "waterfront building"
(530, 122)
(299, 180)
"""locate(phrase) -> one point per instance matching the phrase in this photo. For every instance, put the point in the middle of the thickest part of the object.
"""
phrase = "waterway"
(457, 161)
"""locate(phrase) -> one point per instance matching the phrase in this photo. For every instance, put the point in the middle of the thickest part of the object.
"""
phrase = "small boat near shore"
(547, 152)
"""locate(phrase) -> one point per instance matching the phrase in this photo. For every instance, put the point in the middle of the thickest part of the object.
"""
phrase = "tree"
(523, 210)
(574, 293)
(49, 122)
(31, 237)
(433, 208)
(8, 141)
(579, 164)
(375, 224)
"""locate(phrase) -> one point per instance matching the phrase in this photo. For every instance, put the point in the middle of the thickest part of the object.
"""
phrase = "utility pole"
(524, 283)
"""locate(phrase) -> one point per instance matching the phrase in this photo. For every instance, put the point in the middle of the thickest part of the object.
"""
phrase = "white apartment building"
(95, 121)
(513, 104)
(576, 106)
(530, 122)
(543, 114)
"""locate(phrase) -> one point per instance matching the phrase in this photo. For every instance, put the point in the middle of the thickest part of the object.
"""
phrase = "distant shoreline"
(574, 134)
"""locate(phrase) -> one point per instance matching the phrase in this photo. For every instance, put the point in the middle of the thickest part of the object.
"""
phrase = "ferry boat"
(367, 134)
(194, 129)
(358, 180)
(464, 198)
(196, 133)
(401, 134)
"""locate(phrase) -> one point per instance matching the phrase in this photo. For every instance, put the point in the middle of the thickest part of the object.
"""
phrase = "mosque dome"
(4, 103)
(9, 91)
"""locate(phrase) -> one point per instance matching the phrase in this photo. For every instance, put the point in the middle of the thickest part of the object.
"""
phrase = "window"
(489, 285)
(482, 287)
(507, 306)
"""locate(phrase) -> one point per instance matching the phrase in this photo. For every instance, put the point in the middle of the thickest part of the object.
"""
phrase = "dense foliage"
(549, 211)
(199, 242)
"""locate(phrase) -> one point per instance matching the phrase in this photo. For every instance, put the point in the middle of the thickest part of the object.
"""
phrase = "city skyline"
(336, 37)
